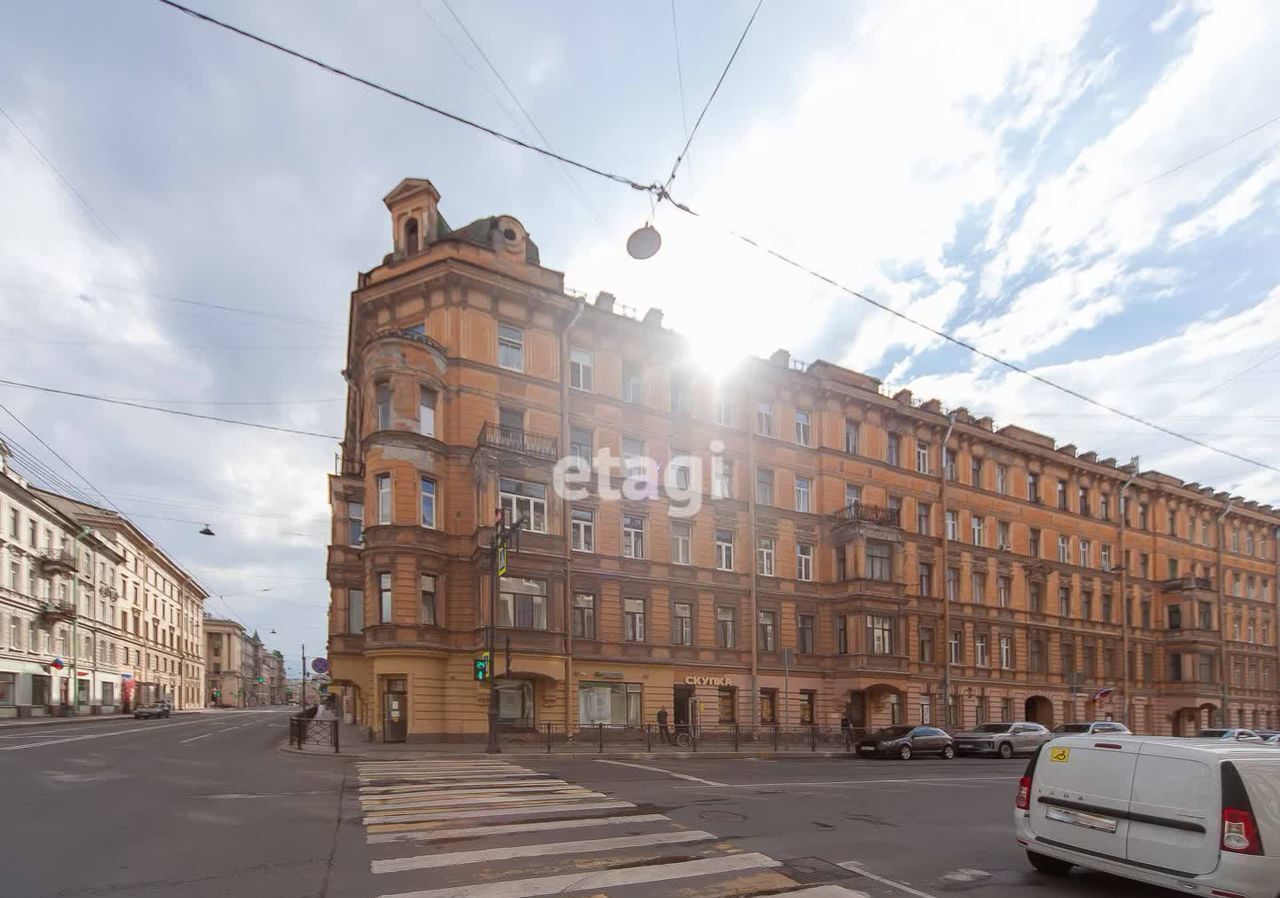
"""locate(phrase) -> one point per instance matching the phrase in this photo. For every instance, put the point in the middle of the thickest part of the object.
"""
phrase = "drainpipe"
(755, 564)
(946, 602)
(566, 514)
(1222, 615)
(1276, 682)
(1125, 622)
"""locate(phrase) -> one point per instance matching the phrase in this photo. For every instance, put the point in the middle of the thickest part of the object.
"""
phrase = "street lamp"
(206, 530)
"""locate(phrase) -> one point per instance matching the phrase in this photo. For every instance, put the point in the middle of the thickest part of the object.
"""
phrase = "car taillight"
(1239, 832)
(1023, 801)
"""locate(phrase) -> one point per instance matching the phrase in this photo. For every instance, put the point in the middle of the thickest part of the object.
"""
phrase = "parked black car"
(905, 742)
(159, 709)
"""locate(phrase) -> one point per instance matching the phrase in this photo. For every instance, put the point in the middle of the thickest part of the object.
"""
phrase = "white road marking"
(679, 776)
(501, 829)
(864, 782)
(530, 811)
(434, 804)
(602, 879)
(966, 874)
(588, 846)
(129, 732)
(448, 782)
(429, 791)
(206, 735)
(855, 867)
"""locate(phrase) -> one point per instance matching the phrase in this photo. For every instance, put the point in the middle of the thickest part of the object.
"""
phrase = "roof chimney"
(781, 358)
(653, 317)
(605, 301)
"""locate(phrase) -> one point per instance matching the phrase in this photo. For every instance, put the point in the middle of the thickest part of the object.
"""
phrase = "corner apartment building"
(82, 587)
(242, 672)
(884, 557)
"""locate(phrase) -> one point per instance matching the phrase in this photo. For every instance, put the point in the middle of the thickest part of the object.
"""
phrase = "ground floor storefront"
(32, 689)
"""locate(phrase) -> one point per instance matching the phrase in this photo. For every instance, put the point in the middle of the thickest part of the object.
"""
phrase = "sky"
(1083, 190)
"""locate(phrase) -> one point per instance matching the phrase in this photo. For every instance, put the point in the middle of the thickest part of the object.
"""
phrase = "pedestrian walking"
(663, 730)
(846, 730)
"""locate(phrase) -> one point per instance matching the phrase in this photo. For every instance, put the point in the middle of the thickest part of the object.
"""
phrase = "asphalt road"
(207, 805)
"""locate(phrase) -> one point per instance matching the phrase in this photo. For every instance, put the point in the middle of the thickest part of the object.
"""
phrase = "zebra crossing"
(487, 828)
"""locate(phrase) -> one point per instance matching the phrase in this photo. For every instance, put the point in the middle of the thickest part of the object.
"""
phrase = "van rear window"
(1261, 778)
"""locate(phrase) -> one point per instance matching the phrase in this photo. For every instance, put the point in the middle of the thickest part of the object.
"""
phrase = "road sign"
(502, 560)
(480, 668)
(320, 665)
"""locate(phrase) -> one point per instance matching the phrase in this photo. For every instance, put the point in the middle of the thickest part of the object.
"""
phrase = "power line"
(70, 467)
(710, 99)
(546, 141)
(1207, 153)
(63, 178)
(1241, 373)
(684, 106)
(167, 411)
(373, 85)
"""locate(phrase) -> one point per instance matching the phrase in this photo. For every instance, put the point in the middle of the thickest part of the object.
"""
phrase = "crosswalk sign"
(502, 561)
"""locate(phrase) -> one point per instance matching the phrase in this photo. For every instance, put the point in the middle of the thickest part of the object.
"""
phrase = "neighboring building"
(273, 672)
(883, 542)
(230, 672)
(156, 613)
(66, 572)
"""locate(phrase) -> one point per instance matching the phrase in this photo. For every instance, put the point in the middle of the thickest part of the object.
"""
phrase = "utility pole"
(942, 577)
(504, 535)
(302, 686)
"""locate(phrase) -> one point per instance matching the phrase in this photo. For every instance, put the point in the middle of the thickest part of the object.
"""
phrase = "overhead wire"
(168, 411)
(1241, 373)
(662, 193)
(70, 467)
(684, 106)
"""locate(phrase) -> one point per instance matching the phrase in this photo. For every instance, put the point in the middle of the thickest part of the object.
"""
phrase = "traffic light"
(262, 679)
(481, 668)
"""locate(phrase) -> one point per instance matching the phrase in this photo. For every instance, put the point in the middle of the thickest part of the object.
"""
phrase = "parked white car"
(1231, 735)
(1197, 817)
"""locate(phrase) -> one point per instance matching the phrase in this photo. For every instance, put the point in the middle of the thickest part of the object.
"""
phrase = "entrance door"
(857, 709)
(682, 698)
(395, 712)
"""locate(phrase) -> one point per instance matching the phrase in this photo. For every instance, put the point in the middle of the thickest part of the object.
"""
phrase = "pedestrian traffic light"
(262, 679)
(481, 667)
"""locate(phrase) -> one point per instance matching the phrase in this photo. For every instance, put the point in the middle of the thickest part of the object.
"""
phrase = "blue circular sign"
(320, 665)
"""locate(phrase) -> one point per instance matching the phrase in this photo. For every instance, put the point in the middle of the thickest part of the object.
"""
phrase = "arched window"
(411, 236)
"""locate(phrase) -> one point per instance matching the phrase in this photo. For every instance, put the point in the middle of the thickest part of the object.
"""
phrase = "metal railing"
(306, 729)
(869, 514)
(58, 558)
(518, 440)
(415, 334)
(601, 737)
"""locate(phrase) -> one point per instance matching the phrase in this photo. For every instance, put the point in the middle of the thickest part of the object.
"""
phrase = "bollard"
(600, 737)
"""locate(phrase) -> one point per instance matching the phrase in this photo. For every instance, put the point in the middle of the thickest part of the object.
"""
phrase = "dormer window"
(411, 236)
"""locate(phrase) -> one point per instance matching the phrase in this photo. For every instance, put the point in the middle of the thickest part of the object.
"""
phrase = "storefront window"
(82, 692)
(806, 708)
(727, 698)
(6, 689)
(611, 703)
(768, 706)
(108, 693)
(39, 690)
(515, 702)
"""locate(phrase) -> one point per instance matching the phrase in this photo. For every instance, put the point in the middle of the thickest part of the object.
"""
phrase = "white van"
(1197, 817)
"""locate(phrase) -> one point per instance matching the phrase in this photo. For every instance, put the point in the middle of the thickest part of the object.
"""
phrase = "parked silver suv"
(1095, 728)
(1003, 739)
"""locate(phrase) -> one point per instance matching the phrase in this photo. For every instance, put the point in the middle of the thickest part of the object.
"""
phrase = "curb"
(573, 756)
(14, 724)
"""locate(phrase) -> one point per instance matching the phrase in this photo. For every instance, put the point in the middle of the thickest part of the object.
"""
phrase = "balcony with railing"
(1186, 584)
(863, 513)
(54, 610)
(58, 561)
(511, 439)
(412, 334)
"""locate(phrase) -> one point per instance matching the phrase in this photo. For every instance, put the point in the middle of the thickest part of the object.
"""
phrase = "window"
(1002, 479)
(953, 524)
(1086, 605)
(428, 491)
(580, 445)
(1003, 539)
(764, 486)
(924, 574)
(581, 371)
(1143, 513)
(768, 631)
(15, 523)
(1104, 507)
(382, 393)
(804, 427)
(522, 603)
(764, 418)
(981, 656)
(764, 556)
(768, 706)
(949, 463)
(384, 597)
(633, 457)
(680, 537)
(978, 585)
(1033, 487)
(802, 493)
(1064, 549)
(355, 526)
(383, 482)
(1033, 547)
(880, 635)
(682, 624)
(584, 530)
(724, 411)
(724, 550)
(519, 499)
(952, 583)
(1173, 568)
(1006, 653)
(924, 511)
(1144, 565)
(879, 560)
(1003, 592)
(1248, 543)
(1107, 603)
(727, 703)
(954, 647)
(632, 536)
(427, 595)
(1086, 553)
(633, 620)
(975, 472)
(852, 495)
(804, 561)
(726, 620)
(632, 383)
(804, 634)
(893, 450)
(1062, 495)
(1064, 601)
(584, 615)
(721, 478)
(926, 645)
(681, 402)
(1106, 557)
(922, 457)
(510, 347)
(426, 412)
(1038, 661)
(977, 527)
(850, 436)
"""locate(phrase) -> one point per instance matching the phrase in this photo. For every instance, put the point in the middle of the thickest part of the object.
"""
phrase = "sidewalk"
(354, 747)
